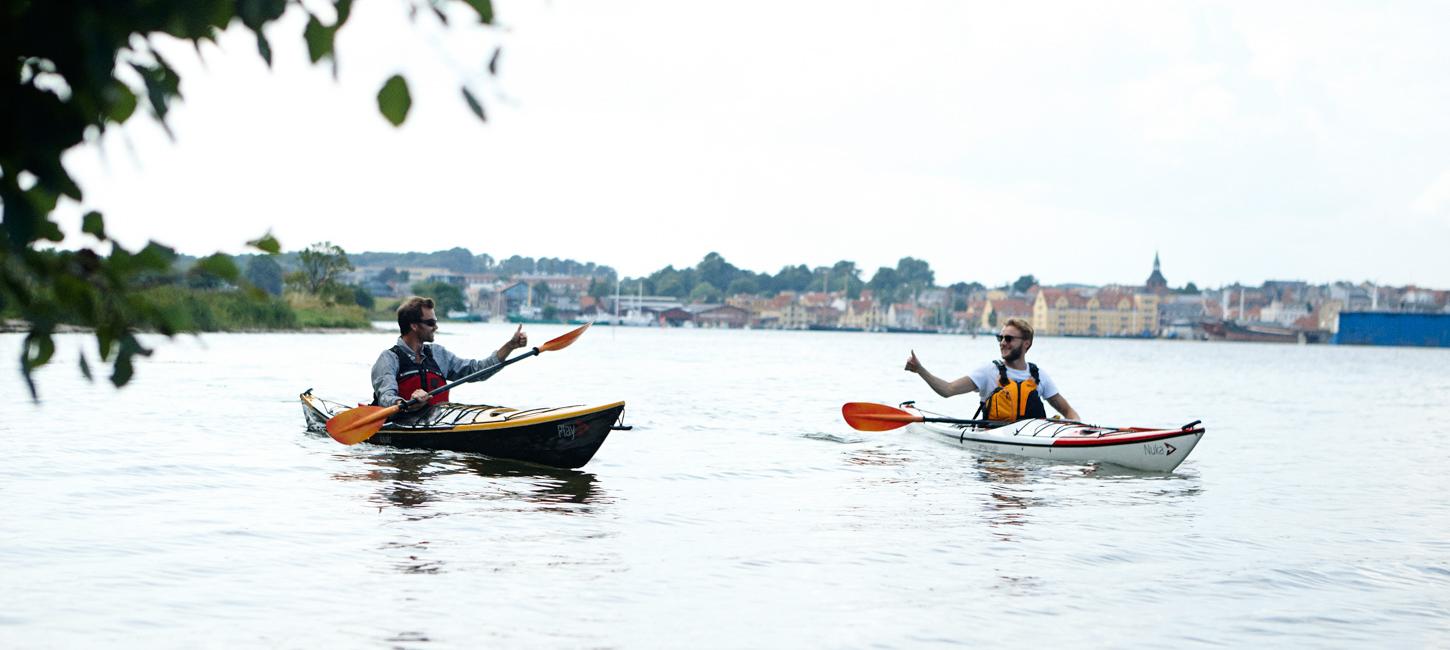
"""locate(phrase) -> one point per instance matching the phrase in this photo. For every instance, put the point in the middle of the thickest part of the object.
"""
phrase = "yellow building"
(795, 316)
(1111, 311)
(863, 314)
(997, 310)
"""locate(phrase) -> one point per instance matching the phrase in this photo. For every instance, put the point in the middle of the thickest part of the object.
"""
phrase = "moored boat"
(566, 436)
(1148, 449)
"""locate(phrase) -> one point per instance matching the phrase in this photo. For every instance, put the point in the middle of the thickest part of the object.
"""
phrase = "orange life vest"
(1013, 400)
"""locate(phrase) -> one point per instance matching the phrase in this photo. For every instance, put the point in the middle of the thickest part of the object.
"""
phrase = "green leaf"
(473, 105)
(344, 9)
(161, 85)
(92, 224)
(394, 100)
(49, 231)
(266, 243)
(122, 101)
(319, 39)
(39, 348)
(155, 257)
(41, 200)
(493, 61)
(264, 47)
(86, 368)
(484, 9)
(123, 367)
(29, 381)
(104, 341)
(256, 13)
(52, 177)
(220, 266)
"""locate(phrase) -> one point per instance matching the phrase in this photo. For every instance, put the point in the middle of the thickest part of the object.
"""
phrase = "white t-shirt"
(985, 378)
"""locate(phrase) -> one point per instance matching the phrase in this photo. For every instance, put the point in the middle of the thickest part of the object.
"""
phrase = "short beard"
(1014, 355)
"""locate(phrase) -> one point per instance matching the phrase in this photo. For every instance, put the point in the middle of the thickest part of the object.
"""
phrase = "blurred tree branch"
(70, 61)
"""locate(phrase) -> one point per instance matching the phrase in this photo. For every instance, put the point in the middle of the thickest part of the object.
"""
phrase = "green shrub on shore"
(201, 310)
(312, 311)
(223, 311)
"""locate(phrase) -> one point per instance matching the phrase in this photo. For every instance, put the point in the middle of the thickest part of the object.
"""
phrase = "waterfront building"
(1181, 316)
(906, 316)
(720, 316)
(1393, 328)
(558, 284)
(998, 310)
(864, 315)
(824, 316)
(795, 316)
(1110, 311)
(1284, 314)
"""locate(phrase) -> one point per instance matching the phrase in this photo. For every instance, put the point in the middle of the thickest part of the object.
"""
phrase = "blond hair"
(1022, 325)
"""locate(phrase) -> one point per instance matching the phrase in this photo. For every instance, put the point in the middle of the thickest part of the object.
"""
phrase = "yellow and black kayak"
(564, 436)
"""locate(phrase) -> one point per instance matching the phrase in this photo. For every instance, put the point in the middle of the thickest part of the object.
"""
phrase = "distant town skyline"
(1152, 270)
(1243, 142)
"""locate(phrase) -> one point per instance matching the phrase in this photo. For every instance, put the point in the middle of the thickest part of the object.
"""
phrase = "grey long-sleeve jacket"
(385, 369)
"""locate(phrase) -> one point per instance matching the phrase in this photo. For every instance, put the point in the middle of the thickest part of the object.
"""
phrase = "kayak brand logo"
(1158, 449)
(569, 431)
(572, 430)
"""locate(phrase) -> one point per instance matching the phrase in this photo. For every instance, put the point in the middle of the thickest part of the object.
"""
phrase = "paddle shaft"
(983, 423)
(489, 371)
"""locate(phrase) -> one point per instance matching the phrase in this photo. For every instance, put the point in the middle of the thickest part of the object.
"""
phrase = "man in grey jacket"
(415, 365)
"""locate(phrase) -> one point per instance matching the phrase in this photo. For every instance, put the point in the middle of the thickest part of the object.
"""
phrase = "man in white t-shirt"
(1011, 389)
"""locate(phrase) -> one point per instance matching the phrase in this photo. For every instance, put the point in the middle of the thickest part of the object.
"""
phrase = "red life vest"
(413, 376)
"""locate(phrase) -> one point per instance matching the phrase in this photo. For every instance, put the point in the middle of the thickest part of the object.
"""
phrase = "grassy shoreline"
(198, 311)
(17, 326)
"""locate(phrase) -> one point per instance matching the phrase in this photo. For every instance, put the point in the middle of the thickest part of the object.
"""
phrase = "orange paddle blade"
(358, 424)
(563, 341)
(866, 416)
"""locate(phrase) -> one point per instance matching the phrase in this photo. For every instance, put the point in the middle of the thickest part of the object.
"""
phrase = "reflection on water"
(425, 485)
(1008, 494)
(398, 640)
(1013, 485)
(877, 458)
(412, 479)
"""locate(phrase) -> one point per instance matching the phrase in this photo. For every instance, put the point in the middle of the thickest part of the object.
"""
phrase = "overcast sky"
(1242, 141)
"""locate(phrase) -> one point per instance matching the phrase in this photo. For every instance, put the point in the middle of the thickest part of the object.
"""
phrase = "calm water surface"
(191, 509)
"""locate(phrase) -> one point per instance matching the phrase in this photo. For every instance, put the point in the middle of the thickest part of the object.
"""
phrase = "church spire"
(1156, 282)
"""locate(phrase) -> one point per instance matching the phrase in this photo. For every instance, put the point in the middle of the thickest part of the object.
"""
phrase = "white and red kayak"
(1153, 450)
(1148, 449)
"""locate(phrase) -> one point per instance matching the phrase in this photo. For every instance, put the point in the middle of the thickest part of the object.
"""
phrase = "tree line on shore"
(711, 279)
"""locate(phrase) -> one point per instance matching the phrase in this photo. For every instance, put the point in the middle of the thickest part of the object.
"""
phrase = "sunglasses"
(430, 322)
(1008, 338)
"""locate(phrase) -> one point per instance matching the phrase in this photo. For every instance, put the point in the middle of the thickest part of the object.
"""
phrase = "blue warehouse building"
(1393, 328)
